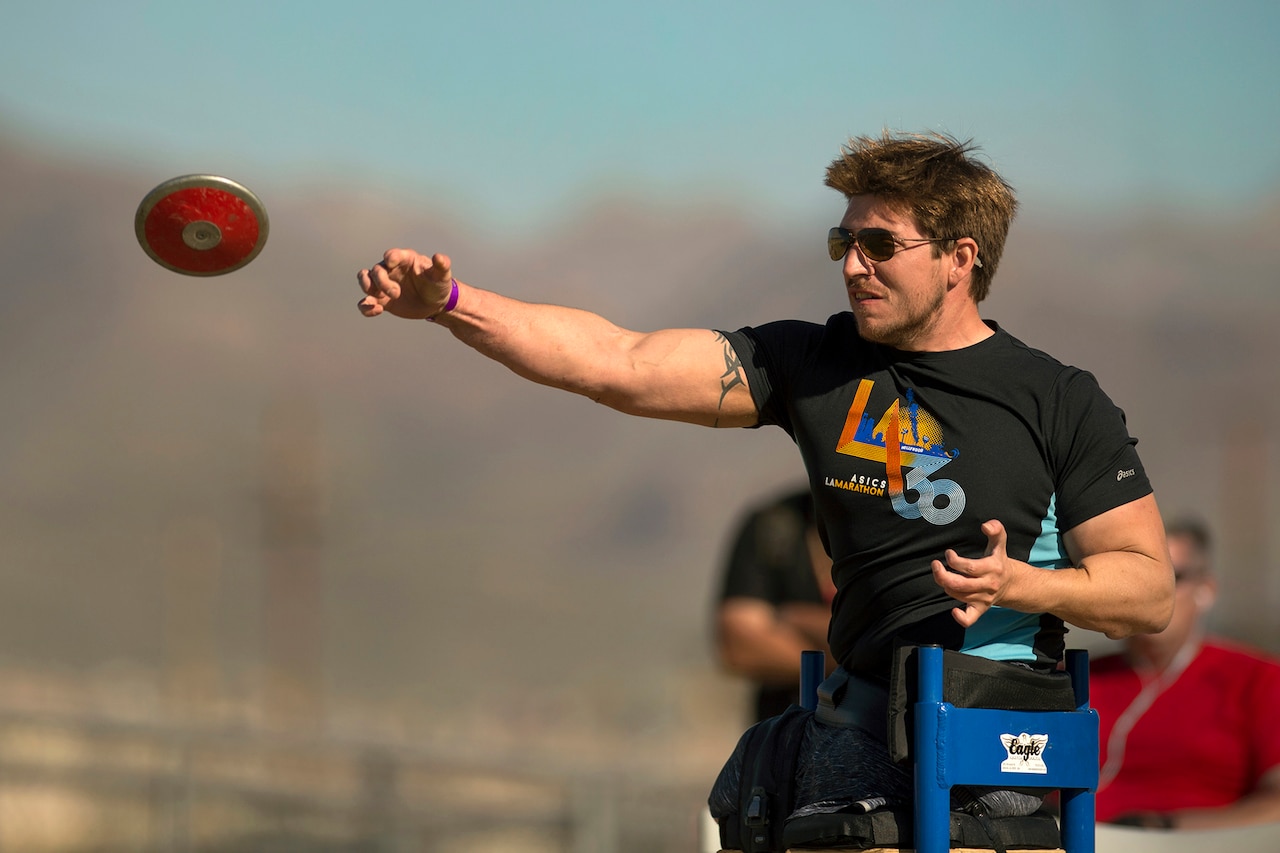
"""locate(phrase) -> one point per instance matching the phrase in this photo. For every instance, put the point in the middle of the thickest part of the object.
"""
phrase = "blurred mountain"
(480, 548)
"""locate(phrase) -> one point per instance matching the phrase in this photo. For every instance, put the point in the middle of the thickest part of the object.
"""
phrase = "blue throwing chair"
(1055, 750)
(1014, 749)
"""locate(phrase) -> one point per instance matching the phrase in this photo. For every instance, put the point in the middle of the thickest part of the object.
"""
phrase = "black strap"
(963, 797)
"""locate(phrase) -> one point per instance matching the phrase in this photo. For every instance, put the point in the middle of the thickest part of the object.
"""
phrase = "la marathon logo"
(908, 441)
(1026, 753)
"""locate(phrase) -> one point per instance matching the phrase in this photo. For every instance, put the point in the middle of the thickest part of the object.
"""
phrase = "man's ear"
(964, 258)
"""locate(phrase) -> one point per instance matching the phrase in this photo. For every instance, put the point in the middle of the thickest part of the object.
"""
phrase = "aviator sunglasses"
(876, 243)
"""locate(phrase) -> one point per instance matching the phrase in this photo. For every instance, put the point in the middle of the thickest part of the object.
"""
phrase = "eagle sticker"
(1026, 753)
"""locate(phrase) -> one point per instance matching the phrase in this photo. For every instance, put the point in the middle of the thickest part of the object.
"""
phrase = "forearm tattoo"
(732, 376)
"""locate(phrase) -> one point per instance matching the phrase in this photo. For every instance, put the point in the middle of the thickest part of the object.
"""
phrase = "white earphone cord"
(1140, 705)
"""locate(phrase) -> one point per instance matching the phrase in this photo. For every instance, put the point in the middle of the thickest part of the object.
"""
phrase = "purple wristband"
(450, 305)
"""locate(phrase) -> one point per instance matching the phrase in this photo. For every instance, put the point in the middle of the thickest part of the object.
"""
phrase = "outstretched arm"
(690, 375)
(1121, 584)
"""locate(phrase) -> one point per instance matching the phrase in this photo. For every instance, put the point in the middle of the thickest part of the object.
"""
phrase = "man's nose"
(856, 263)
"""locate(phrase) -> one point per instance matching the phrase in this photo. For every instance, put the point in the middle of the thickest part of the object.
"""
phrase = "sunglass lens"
(838, 241)
(876, 243)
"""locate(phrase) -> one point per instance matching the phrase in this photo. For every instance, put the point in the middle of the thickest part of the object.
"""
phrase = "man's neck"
(962, 330)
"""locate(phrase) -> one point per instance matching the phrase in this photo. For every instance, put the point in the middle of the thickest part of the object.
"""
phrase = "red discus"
(201, 225)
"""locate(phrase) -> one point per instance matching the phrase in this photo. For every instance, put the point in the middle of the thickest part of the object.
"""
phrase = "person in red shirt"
(1190, 724)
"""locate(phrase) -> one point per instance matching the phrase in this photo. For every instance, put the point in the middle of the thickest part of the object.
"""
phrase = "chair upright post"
(933, 799)
(813, 667)
(1078, 807)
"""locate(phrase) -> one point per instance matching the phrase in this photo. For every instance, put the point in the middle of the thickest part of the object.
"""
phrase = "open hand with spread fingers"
(976, 582)
(407, 284)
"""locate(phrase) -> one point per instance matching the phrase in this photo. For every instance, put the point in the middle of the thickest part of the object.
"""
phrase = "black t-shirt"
(996, 430)
(769, 560)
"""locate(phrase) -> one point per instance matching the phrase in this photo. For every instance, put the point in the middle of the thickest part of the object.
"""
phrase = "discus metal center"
(202, 235)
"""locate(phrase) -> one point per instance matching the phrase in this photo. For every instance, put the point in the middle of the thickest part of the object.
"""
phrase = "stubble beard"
(904, 333)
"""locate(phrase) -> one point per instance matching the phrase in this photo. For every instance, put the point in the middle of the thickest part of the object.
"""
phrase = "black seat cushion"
(894, 828)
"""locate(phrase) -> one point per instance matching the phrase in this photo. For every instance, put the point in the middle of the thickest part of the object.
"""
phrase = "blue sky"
(512, 111)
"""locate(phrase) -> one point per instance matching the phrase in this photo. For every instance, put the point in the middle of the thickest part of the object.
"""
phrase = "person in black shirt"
(775, 599)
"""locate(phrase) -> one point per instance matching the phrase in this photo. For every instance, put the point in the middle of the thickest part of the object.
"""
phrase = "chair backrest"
(1006, 749)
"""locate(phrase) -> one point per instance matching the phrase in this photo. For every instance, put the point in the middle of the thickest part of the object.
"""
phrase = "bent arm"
(757, 641)
(1121, 582)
